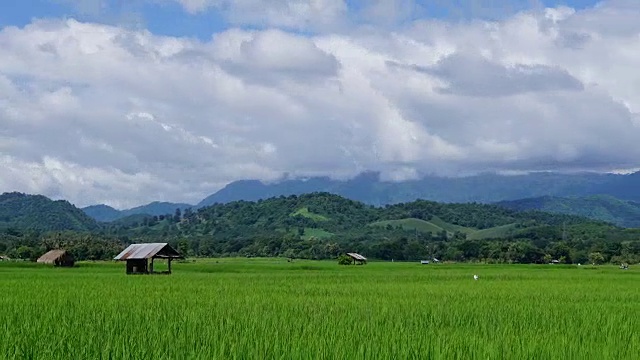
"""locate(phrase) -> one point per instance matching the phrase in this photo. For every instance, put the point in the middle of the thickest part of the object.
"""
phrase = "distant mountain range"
(367, 188)
(600, 207)
(104, 213)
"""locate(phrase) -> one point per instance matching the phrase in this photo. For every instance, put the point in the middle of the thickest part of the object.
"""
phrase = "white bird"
(475, 277)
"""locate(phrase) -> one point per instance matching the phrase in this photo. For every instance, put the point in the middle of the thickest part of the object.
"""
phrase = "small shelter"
(57, 258)
(140, 257)
(357, 258)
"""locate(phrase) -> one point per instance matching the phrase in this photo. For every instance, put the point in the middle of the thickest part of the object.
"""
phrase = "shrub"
(344, 260)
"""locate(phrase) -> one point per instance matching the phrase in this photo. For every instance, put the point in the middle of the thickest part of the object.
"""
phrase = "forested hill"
(37, 212)
(322, 225)
(598, 207)
(334, 213)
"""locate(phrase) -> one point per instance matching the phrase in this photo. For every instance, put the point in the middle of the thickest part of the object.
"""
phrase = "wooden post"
(151, 268)
(169, 263)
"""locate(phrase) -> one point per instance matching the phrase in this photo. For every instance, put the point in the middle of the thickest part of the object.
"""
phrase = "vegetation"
(322, 226)
(344, 260)
(271, 309)
(39, 213)
(599, 207)
(84, 246)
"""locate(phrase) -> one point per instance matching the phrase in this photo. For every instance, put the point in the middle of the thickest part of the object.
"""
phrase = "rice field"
(272, 309)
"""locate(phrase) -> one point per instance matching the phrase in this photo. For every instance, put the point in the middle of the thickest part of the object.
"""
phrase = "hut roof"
(357, 256)
(147, 251)
(51, 256)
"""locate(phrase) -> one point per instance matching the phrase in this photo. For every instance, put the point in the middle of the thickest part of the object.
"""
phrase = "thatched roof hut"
(57, 258)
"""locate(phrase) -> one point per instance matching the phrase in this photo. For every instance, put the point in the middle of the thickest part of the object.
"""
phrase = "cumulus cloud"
(473, 75)
(105, 114)
(273, 56)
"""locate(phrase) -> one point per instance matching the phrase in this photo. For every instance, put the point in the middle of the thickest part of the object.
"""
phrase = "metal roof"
(357, 256)
(146, 251)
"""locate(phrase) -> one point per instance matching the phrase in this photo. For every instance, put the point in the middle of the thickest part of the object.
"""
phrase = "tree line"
(323, 226)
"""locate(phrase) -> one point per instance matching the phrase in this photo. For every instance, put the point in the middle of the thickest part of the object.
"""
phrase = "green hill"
(598, 207)
(322, 225)
(410, 224)
(497, 232)
(331, 214)
(451, 228)
(437, 226)
(37, 212)
(306, 213)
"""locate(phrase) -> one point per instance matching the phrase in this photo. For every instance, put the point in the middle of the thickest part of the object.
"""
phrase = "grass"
(410, 224)
(269, 308)
(306, 213)
(494, 232)
(317, 233)
(451, 228)
(437, 225)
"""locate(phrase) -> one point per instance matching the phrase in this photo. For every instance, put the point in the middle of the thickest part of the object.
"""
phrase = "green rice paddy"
(272, 309)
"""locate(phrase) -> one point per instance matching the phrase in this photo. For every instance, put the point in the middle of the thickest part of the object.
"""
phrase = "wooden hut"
(357, 258)
(57, 258)
(140, 257)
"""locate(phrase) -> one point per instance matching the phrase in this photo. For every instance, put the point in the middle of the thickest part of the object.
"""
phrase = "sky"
(124, 102)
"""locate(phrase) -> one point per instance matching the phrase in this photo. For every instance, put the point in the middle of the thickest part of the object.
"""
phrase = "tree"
(459, 235)
(178, 215)
(596, 258)
(183, 247)
(24, 252)
(188, 214)
(344, 260)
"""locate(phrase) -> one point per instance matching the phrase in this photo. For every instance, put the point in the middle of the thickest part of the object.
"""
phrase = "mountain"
(105, 213)
(252, 190)
(599, 207)
(37, 212)
(369, 189)
(329, 216)
(483, 188)
(324, 225)
(156, 208)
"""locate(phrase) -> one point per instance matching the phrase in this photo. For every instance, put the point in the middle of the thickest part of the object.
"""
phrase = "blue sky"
(170, 18)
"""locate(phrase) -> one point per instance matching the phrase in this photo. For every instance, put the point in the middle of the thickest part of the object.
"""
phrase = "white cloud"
(96, 113)
(292, 14)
